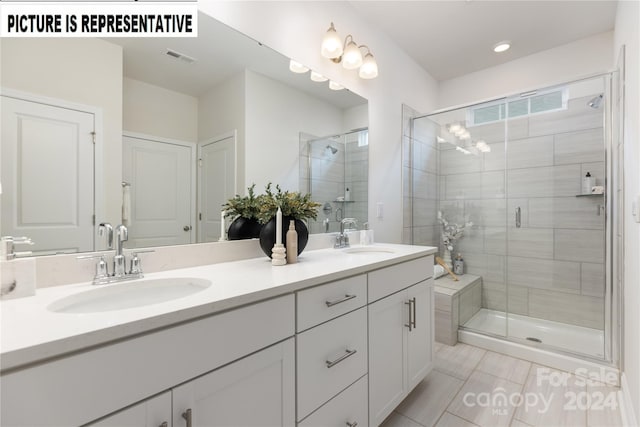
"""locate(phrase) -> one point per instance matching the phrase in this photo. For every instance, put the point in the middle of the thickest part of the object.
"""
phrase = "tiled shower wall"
(552, 267)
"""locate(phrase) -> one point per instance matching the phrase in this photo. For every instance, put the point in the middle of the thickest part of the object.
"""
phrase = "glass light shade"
(369, 68)
(297, 67)
(335, 86)
(331, 44)
(465, 135)
(460, 131)
(317, 77)
(352, 57)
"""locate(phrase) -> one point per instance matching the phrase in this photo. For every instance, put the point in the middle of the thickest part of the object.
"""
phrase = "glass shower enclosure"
(528, 175)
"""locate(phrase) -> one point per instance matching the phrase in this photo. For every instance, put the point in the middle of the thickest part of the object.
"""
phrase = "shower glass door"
(555, 228)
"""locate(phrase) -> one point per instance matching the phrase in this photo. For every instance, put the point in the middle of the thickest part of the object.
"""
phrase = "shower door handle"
(518, 217)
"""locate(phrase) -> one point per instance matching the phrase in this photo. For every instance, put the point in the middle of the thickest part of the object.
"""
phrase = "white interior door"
(216, 183)
(160, 177)
(47, 160)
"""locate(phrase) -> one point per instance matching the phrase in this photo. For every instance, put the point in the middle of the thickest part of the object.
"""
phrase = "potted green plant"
(295, 207)
(245, 211)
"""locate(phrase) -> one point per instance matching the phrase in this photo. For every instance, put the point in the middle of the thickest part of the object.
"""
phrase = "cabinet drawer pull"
(413, 305)
(353, 424)
(347, 297)
(187, 416)
(348, 353)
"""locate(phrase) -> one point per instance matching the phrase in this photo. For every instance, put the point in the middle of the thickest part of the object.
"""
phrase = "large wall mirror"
(155, 133)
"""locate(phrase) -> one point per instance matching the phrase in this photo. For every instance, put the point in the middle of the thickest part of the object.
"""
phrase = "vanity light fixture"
(297, 67)
(502, 46)
(349, 54)
(317, 77)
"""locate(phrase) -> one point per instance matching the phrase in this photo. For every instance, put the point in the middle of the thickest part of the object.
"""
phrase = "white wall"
(81, 70)
(558, 65)
(356, 118)
(221, 110)
(275, 116)
(295, 29)
(157, 111)
(626, 33)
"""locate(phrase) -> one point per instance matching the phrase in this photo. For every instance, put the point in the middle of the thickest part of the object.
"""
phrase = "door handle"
(412, 322)
(187, 416)
(187, 228)
(518, 217)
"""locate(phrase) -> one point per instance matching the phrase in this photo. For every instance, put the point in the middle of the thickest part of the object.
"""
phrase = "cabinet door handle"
(353, 424)
(347, 297)
(410, 324)
(187, 416)
(518, 217)
(413, 304)
(348, 353)
(164, 424)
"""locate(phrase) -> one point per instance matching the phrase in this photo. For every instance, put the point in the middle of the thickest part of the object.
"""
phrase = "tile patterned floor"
(472, 387)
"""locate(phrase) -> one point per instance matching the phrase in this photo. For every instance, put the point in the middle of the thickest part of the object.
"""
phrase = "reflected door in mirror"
(217, 182)
(161, 190)
(47, 175)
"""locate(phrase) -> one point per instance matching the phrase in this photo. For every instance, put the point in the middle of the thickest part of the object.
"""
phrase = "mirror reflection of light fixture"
(297, 67)
(317, 77)
(335, 86)
(349, 54)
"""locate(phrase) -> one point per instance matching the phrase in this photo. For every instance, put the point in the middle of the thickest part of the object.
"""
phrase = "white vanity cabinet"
(332, 354)
(257, 390)
(89, 385)
(400, 334)
(153, 412)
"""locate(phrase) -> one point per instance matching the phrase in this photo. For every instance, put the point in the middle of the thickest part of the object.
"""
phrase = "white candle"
(279, 227)
(222, 230)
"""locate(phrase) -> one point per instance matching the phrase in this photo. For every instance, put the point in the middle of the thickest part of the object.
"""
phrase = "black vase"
(244, 228)
(268, 234)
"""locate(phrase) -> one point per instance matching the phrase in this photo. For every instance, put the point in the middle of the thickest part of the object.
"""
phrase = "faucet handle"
(102, 271)
(7, 252)
(136, 267)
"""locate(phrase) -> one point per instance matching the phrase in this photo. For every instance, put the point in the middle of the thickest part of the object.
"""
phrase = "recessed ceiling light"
(502, 46)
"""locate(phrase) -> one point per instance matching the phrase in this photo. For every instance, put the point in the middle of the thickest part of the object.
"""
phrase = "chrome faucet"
(106, 227)
(119, 264)
(342, 240)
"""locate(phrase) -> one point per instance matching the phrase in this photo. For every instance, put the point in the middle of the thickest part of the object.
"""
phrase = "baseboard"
(626, 405)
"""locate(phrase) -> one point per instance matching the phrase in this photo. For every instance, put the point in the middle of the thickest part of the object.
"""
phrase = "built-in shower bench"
(455, 304)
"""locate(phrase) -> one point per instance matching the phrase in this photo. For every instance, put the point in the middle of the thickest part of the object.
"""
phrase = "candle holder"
(278, 254)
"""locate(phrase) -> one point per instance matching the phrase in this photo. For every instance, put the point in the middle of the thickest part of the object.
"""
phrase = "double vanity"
(338, 339)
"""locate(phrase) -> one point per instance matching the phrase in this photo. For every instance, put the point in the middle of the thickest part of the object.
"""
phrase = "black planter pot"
(243, 228)
(268, 234)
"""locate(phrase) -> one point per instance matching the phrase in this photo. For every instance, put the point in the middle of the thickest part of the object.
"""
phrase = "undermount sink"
(129, 295)
(369, 250)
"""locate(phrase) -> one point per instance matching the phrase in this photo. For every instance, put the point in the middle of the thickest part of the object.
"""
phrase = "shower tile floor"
(470, 386)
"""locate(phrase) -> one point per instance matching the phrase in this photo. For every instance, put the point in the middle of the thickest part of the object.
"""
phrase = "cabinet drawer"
(347, 408)
(388, 280)
(325, 302)
(330, 357)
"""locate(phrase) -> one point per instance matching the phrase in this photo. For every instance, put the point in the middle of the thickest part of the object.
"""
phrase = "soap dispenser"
(292, 243)
(587, 183)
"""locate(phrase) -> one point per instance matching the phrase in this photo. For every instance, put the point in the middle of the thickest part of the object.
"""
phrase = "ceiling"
(456, 37)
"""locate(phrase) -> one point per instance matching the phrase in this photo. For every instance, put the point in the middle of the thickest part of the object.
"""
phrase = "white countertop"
(30, 332)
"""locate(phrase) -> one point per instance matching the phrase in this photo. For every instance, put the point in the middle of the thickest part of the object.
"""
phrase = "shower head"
(595, 101)
(333, 149)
